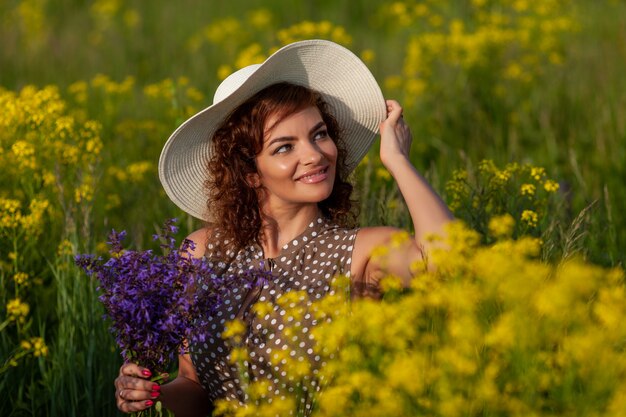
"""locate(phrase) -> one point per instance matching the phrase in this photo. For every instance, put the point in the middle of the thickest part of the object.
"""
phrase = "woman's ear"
(253, 180)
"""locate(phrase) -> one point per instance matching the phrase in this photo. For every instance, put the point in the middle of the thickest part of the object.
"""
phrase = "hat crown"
(233, 82)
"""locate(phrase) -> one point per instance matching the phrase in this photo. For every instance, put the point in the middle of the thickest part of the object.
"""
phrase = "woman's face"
(298, 159)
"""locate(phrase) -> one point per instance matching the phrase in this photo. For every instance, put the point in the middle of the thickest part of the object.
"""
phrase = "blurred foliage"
(494, 90)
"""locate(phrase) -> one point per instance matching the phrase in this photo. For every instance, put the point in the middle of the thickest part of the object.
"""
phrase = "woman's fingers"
(133, 406)
(395, 135)
(133, 390)
(134, 394)
(394, 111)
(136, 384)
(132, 369)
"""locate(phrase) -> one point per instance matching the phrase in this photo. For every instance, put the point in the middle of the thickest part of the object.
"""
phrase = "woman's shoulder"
(200, 238)
(370, 237)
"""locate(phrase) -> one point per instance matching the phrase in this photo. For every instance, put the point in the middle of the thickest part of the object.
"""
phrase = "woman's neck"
(282, 226)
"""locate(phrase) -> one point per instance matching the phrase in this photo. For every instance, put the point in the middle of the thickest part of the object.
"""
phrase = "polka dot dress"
(306, 264)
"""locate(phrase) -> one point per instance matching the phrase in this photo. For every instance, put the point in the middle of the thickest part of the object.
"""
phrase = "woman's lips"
(315, 176)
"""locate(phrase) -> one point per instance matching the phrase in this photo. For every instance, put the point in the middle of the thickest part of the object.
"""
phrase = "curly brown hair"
(233, 204)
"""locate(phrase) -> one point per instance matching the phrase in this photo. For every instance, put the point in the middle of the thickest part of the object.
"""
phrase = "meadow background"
(516, 107)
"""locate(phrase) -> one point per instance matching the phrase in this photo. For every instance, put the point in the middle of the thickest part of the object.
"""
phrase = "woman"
(271, 156)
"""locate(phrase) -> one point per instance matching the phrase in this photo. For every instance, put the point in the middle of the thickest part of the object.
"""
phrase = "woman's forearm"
(428, 211)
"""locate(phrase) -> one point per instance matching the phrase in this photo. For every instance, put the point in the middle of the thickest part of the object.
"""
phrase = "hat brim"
(336, 73)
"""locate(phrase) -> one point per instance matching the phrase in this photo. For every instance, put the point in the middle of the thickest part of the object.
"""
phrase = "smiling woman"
(297, 163)
(273, 120)
(266, 167)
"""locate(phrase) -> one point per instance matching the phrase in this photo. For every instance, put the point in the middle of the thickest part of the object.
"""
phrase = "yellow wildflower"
(390, 283)
(83, 193)
(33, 222)
(10, 215)
(39, 347)
(382, 174)
(527, 189)
(20, 278)
(17, 310)
(137, 170)
(238, 355)
(393, 82)
(368, 55)
(234, 330)
(502, 226)
(551, 186)
(223, 71)
(65, 248)
(537, 173)
(253, 54)
(48, 178)
(530, 218)
(260, 18)
(263, 308)
(24, 154)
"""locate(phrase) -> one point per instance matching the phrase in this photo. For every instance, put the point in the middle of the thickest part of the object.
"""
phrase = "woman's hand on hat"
(133, 389)
(395, 136)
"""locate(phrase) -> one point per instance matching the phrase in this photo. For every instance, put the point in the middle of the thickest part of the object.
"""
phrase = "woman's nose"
(311, 154)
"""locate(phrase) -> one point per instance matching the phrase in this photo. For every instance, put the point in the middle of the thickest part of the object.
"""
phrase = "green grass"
(571, 120)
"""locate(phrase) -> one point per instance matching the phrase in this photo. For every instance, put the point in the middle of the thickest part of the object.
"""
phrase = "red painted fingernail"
(145, 372)
(155, 394)
(149, 403)
(156, 387)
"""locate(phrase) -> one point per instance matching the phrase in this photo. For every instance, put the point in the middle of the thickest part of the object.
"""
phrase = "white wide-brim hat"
(345, 83)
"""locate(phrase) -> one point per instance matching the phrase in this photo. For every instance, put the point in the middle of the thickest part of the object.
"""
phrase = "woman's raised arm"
(428, 212)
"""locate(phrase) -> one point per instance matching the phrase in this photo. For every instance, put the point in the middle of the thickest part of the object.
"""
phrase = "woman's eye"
(282, 149)
(322, 134)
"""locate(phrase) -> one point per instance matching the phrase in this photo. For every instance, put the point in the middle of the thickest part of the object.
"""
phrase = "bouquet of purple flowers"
(157, 302)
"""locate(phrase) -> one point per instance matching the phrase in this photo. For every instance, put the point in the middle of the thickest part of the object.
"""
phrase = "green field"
(506, 99)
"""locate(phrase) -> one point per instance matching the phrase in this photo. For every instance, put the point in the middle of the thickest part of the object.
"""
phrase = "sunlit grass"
(90, 91)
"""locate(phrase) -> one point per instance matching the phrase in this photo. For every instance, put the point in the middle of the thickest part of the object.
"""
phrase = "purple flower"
(156, 302)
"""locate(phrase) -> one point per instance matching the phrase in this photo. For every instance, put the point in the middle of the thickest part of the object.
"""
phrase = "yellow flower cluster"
(135, 172)
(515, 40)
(20, 278)
(17, 310)
(314, 30)
(521, 190)
(247, 40)
(177, 94)
(219, 32)
(530, 217)
(458, 341)
(109, 87)
(13, 220)
(252, 54)
(528, 189)
(42, 143)
(502, 226)
(36, 345)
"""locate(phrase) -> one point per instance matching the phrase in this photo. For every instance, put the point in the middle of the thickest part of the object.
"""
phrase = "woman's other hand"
(133, 389)
(395, 136)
